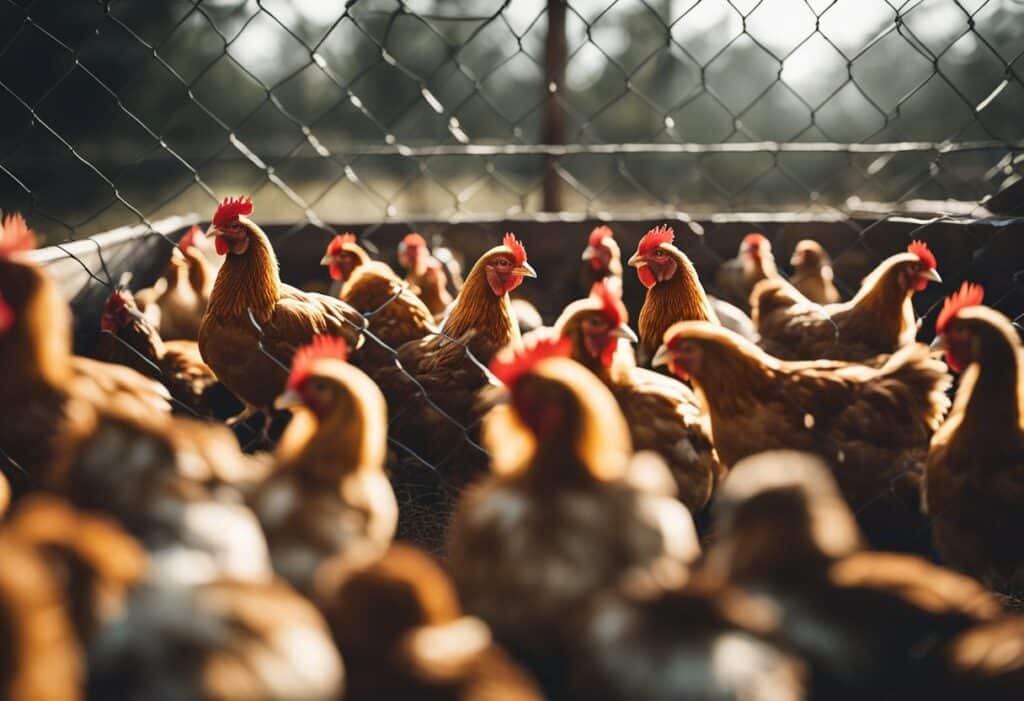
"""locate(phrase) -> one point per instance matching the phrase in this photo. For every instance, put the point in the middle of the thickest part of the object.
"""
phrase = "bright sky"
(780, 25)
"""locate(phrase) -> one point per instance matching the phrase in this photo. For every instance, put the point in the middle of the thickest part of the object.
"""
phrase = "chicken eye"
(659, 253)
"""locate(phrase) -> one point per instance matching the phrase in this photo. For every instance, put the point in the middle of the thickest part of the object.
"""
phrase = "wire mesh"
(878, 121)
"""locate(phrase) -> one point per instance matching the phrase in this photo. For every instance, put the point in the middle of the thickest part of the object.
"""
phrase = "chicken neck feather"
(247, 281)
(478, 309)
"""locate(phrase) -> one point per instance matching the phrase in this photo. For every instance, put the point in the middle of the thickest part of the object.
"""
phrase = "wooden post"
(554, 119)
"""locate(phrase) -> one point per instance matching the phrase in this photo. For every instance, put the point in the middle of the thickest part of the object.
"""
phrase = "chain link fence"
(862, 123)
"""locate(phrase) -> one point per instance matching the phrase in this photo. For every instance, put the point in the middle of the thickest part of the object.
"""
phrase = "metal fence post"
(554, 119)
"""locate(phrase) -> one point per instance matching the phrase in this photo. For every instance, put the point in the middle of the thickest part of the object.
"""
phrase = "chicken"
(329, 495)
(674, 292)
(425, 273)
(129, 339)
(682, 643)
(737, 276)
(94, 562)
(203, 262)
(812, 273)
(177, 488)
(174, 307)
(878, 320)
(254, 323)
(434, 394)
(871, 424)
(42, 373)
(974, 482)
(565, 513)
(602, 260)
(400, 628)
(39, 655)
(222, 641)
(868, 623)
(394, 313)
(663, 414)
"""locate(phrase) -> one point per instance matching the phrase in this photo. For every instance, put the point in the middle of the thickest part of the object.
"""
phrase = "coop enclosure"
(862, 123)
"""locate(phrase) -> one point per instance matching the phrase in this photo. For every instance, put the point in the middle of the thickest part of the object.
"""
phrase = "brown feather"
(680, 298)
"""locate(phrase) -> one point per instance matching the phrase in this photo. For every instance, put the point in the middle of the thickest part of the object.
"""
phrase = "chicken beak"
(326, 260)
(525, 270)
(623, 331)
(938, 343)
(589, 252)
(288, 400)
(661, 357)
(636, 261)
(932, 275)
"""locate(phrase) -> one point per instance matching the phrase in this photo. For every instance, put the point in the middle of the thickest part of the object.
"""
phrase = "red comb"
(338, 242)
(230, 209)
(611, 304)
(518, 250)
(754, 239)
(654, 238)
(15, 236)
(320, 348)
(599, 234)
(510, 370)
(413, 239)
(969, 295)
(115, 302)
(920, 249)
(6, 315)
(191, 238)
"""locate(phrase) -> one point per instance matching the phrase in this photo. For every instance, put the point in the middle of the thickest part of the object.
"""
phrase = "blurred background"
(124, 112)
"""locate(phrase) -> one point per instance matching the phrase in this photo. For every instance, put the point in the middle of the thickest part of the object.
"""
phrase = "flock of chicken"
(602, 530)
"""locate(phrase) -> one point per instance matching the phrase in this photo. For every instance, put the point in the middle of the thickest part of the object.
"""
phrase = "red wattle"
(646, 277)
(336, 272)
(221, 244)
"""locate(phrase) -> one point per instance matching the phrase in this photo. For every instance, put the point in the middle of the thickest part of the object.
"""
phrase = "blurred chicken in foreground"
(254, 323)
(402, 633)
(425, 273)
(395, 315)
(737, 276)
(867, 622)
(656, 643)
(41, 374)
(95, 563)
(974, 484)
(223, 641)
(872, 425)
(39, 654)
(812, 273)
(329, 495)
(568, 511)
(662, 413)
(878, 320)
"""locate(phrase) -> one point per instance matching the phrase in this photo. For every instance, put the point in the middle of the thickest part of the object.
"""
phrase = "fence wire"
(724, 115)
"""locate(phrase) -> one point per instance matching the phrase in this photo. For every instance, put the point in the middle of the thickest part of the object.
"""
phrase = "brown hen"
(737, 276)
(974, 484)
(812, 273)
(434, 394)
(868, 623)
(878, 320)
(425, 274)
(395, 315)
(674, 292)
(566, 512)
(254, 323)
(662, 413)
(329, 495)
(402, 633)
(871, 424)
